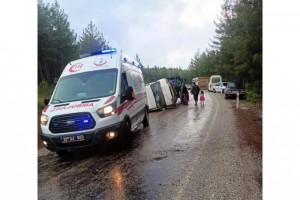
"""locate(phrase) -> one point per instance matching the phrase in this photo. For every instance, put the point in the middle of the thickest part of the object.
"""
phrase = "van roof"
(97, 60)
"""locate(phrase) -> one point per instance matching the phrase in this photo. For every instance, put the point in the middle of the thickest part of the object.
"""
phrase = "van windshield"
(87, 85)
(215, 79)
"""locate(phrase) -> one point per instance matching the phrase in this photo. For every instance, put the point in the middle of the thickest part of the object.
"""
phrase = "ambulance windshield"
(87, 85)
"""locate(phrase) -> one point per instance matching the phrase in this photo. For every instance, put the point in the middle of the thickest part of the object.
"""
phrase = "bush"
(254, 92)
(44, 91)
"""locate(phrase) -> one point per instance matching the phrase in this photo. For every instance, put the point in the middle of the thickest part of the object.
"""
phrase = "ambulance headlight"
(44, 120)
(107, 110)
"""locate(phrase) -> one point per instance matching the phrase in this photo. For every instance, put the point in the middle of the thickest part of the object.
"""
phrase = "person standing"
(195, 91)
(202, 98)
(185, 94)
(178, 90)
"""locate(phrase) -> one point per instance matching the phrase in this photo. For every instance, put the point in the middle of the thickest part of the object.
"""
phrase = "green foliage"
(238, 46)
(92, 40)
(44, 91)
(56, 41)
(155, 73)
(57, 44)
(254, 91)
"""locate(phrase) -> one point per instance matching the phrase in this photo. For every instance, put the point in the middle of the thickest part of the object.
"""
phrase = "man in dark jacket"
(195, 91)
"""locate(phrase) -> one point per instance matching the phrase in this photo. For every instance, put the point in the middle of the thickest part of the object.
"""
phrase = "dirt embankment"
(250, 122)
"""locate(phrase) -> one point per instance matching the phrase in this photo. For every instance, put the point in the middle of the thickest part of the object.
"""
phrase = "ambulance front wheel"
(146, 118)
(124, 138)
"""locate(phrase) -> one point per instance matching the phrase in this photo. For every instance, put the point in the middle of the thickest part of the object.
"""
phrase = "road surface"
(187, 152)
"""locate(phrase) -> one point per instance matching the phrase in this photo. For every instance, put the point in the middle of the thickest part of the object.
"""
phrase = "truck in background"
(202, 82)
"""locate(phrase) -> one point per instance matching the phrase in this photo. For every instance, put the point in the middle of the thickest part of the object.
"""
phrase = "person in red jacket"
(202, 98)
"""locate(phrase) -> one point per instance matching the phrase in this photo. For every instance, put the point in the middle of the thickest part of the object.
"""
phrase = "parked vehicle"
(212, 81)
(220, 87)
(98, 98)
(155, 96)
(233, 88)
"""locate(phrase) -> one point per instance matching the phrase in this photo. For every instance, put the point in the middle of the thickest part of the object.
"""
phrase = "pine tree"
(56, 41)
(92, 40)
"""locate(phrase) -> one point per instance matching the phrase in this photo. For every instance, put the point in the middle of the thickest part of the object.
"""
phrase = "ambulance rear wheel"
(146, 118)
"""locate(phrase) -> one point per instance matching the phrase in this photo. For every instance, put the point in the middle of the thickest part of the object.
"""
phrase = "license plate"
(234, 92)
(72, 138)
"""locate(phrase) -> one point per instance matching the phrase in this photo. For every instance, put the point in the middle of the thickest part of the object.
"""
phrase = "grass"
(44, 91)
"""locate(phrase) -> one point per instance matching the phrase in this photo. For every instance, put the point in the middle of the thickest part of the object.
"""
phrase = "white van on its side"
(169, 92)
(97, 98)
(155, 96)
(212, 81)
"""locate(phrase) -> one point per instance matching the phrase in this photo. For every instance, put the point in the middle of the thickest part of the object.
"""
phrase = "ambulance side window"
(124, 85)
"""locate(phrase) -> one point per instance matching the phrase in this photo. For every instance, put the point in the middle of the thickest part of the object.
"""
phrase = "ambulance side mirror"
(128, 93)
(46, 102)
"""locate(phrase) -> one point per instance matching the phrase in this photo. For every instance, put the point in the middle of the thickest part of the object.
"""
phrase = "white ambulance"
(97, 98)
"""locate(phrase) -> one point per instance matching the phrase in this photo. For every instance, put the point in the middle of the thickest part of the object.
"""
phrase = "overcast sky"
(166, 33)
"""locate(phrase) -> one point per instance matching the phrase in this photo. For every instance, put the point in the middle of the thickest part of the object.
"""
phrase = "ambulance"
(98, 98)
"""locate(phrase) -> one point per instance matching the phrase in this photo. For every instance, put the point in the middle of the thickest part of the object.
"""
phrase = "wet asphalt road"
(187, 152)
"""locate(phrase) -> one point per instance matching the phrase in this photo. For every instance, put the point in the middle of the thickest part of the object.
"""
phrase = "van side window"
(124, 85)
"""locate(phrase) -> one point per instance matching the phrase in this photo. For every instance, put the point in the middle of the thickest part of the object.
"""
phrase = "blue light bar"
(108, 51)
(112, 50)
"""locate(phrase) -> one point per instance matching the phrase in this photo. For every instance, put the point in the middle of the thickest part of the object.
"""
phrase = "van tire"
(146, 118)
(124, 138)
(62, 153)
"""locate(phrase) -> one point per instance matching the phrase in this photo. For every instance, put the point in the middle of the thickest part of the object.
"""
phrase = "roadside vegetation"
(235, 52)
(44, 91)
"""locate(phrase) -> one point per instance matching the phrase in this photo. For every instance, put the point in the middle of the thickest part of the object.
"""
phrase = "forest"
(235, 51)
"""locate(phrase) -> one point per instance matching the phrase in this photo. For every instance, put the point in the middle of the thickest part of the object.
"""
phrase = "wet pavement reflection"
(157, 165)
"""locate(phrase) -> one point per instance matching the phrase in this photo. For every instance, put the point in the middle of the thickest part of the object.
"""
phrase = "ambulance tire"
(62, 153)
(126, 129)
(146, 118)
(124, 140)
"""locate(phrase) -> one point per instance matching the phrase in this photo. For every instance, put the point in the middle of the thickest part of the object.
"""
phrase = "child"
(202, 98)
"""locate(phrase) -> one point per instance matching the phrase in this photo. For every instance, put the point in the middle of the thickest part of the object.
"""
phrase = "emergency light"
(107, 51)
(113, 50)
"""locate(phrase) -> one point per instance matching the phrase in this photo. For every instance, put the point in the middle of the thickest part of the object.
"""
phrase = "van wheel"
(126, 137)
(62, 153)
(146, 118)
(126, 129)
(214, 91)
